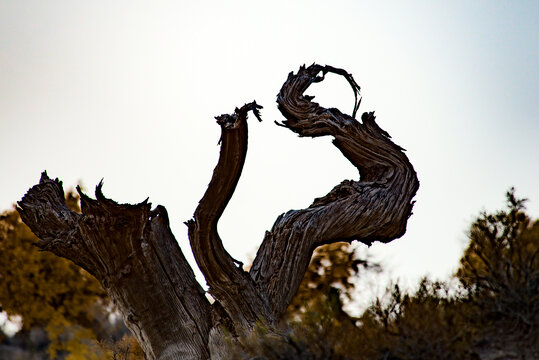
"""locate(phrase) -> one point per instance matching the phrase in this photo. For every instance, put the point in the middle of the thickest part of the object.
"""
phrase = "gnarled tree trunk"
(132, 252)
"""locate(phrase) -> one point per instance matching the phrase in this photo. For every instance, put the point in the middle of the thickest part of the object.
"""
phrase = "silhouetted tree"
(132, 252)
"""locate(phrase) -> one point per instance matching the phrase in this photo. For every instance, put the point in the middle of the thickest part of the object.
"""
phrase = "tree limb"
(376, 208)
(228, 283)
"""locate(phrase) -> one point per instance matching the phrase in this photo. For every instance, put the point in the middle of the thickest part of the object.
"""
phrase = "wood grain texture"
(228, 283)
(376, 208)
(132, 252)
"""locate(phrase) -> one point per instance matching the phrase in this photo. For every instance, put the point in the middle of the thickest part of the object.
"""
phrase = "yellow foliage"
(77, 341)
(127, 349)
(48, 291)
(332, 267)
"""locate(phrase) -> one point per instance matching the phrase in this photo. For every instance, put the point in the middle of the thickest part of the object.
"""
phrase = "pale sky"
(128, 90)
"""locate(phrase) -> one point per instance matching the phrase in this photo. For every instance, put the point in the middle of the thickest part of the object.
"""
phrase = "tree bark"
(376, 208)
(132, 252)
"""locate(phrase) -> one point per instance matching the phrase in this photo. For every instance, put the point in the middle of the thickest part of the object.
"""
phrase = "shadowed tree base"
(131, 250)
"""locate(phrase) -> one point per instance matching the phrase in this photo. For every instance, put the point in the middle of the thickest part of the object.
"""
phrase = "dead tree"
(131, 250)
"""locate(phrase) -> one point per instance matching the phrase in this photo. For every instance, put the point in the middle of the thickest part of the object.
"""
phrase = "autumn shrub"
(500, 267)
(500, 270)
(429, 323)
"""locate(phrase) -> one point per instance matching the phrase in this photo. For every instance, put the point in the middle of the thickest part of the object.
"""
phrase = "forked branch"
(132, 252)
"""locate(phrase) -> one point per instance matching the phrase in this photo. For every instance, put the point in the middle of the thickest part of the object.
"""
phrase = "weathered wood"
(376, 208)
(228, 283)
(132, 252)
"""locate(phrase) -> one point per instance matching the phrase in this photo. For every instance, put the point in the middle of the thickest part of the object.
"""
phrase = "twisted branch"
(376, 208)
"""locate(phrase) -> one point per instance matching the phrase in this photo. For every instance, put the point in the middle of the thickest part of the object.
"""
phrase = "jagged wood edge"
(131, 250)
